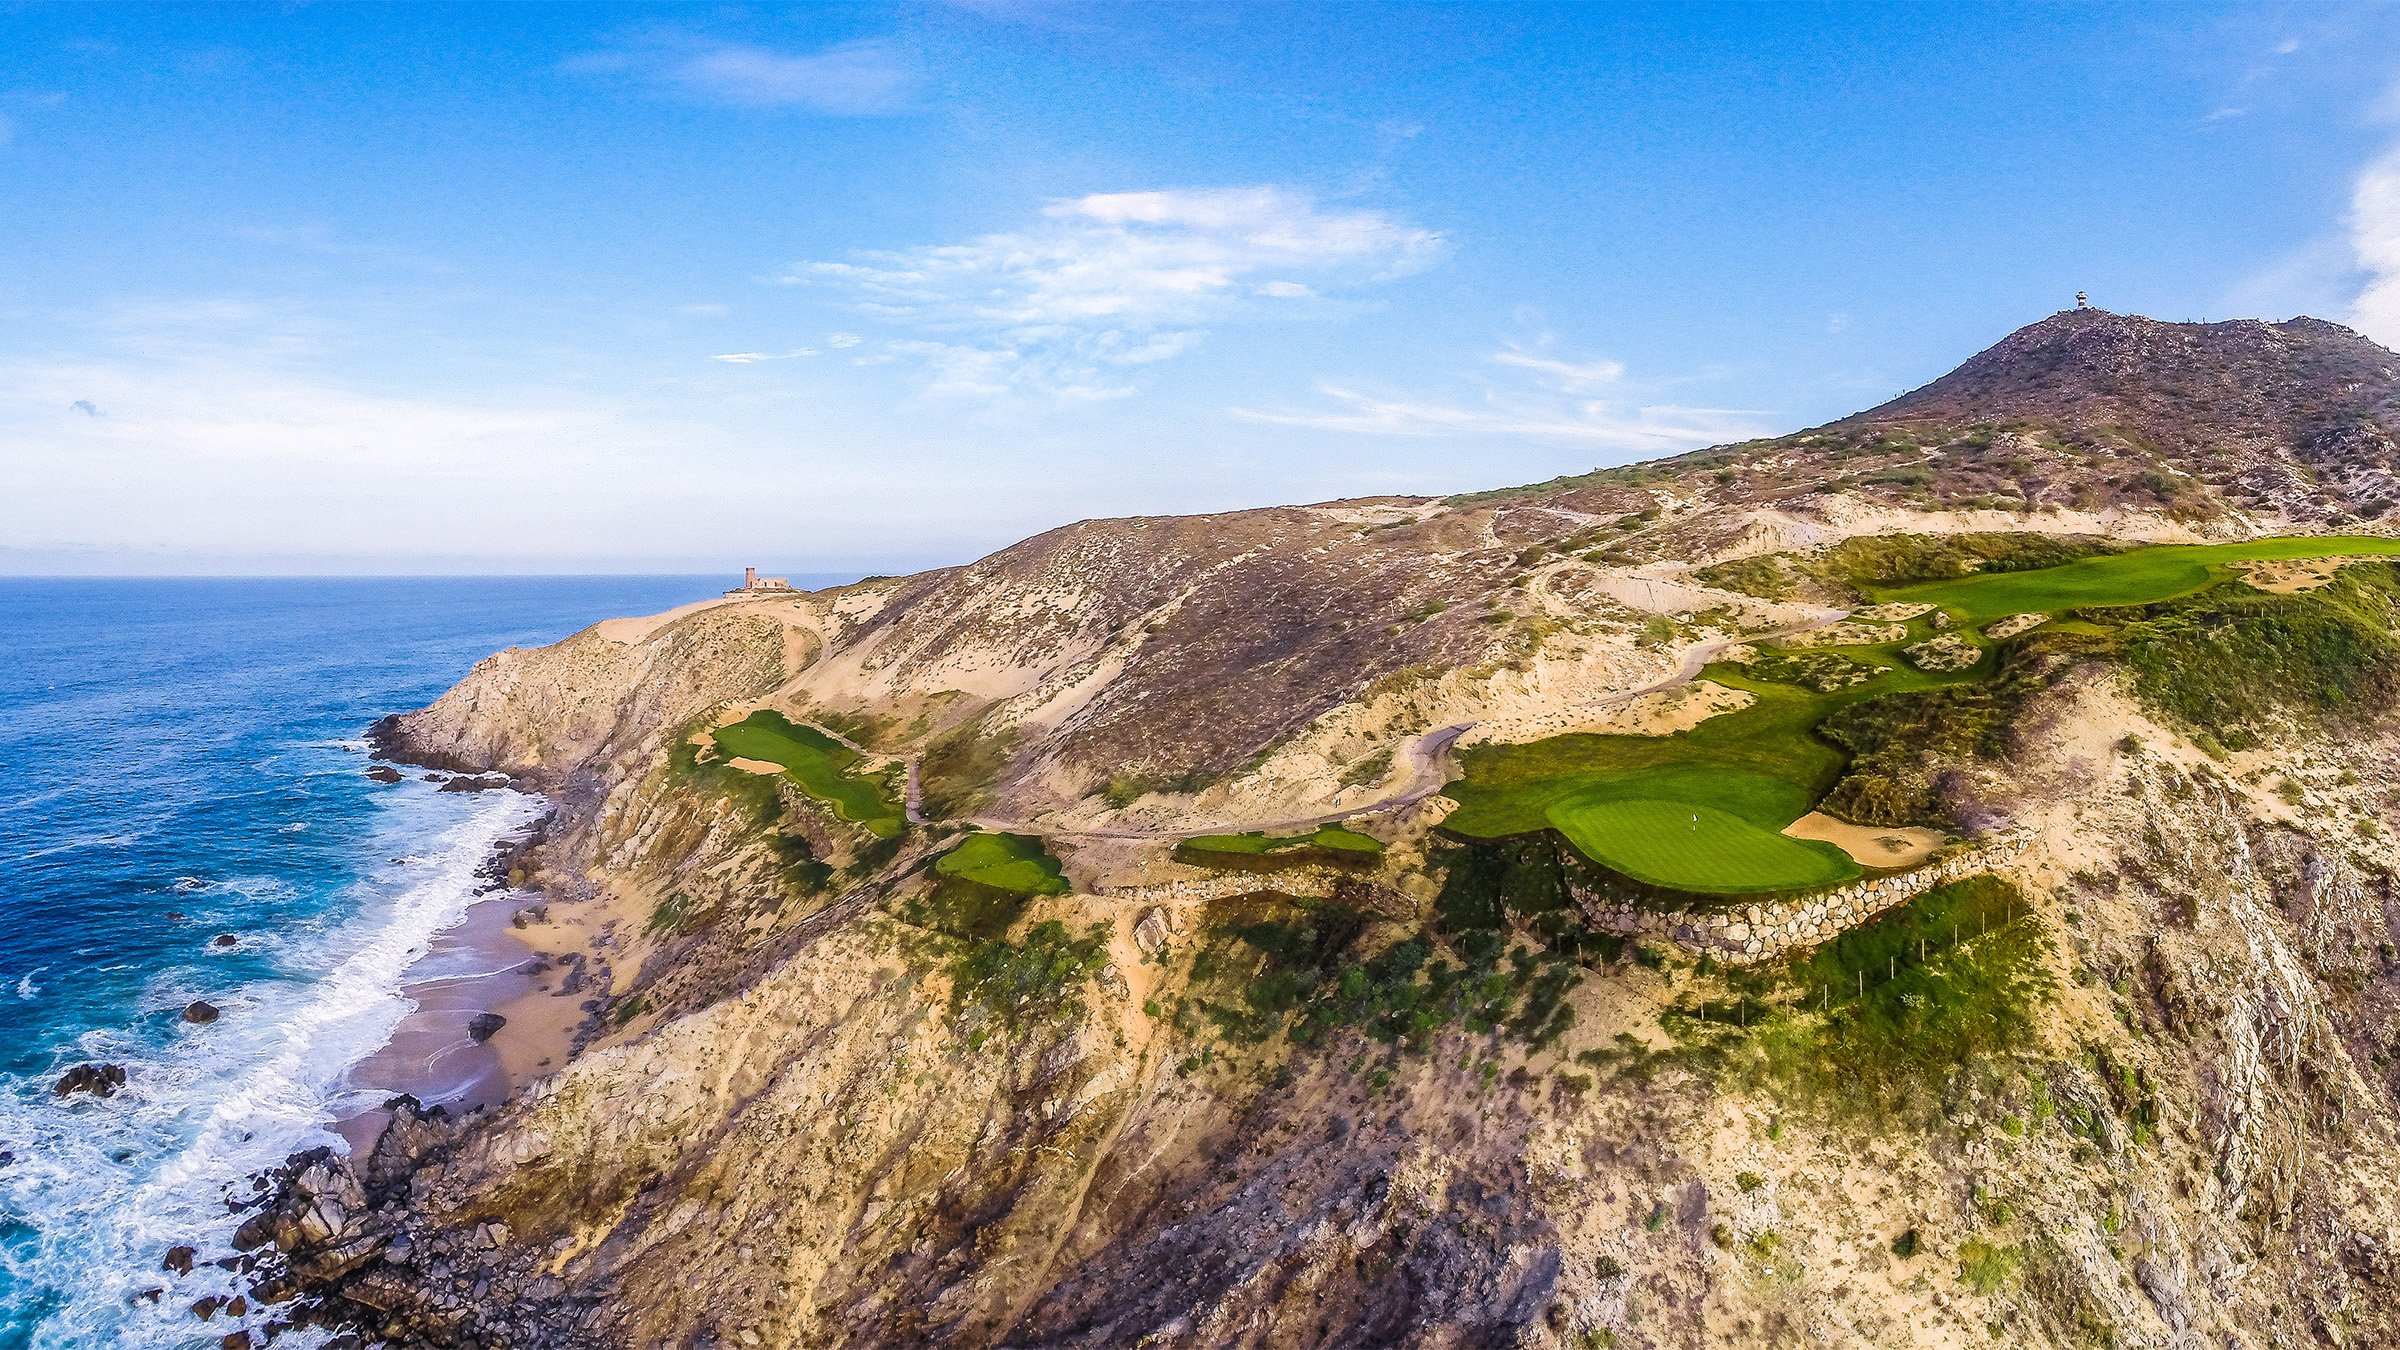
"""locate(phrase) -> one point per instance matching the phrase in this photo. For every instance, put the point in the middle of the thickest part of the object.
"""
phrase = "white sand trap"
(1870, 845)
(754, 765)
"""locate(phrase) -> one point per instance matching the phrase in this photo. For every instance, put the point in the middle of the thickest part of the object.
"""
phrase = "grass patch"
(2143, 576)
(819, 765)
(1984, 1267)
(1690, 847)
(1008, 862)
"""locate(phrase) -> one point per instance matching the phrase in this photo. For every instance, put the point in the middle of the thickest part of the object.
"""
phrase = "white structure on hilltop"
(754, 586)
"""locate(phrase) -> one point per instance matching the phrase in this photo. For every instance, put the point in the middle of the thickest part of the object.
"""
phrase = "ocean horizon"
(182, 762)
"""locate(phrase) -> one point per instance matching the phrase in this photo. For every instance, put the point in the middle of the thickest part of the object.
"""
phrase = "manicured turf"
(1011, 862)
(1764, 766)
(1691, 847)
(1326, 836)
(2135, 578)
(819, 764)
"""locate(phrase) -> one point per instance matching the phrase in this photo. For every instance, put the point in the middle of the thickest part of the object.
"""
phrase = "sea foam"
(102, 1188)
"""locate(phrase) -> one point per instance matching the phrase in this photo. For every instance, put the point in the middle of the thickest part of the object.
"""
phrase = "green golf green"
(1011, 862)
(2136, 578)
(820, 765)
(1688, 847)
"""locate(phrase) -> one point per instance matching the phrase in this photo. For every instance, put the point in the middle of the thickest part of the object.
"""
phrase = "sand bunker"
(2289, 576)
(1870, 845)
(754, 765)
(1892, 613)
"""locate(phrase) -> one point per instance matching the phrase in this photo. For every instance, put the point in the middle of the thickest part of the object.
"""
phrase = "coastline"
(506, 957)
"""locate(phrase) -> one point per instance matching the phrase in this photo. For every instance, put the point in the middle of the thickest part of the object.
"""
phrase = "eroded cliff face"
(858, 1141)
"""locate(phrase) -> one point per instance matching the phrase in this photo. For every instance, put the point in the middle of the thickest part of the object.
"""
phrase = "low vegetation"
(819, 765)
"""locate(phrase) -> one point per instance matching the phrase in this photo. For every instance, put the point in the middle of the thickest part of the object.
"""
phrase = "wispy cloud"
(1559, 406)
(850, 78)
(1104, 283)
(752, 358)
(2375, 239)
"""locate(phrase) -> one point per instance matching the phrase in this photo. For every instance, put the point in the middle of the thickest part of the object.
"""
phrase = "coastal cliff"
(833, 1095)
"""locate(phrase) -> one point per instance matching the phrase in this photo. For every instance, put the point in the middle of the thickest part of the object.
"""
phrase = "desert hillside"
(1921, 881)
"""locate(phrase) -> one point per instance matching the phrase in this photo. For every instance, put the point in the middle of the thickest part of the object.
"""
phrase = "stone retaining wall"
(1757, 932)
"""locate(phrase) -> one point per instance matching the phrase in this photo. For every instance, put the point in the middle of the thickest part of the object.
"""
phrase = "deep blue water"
(179, 759)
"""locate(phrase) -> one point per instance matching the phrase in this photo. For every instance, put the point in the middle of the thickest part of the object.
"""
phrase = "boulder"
(224, 940)
(179, 1260)
(384, 773)
(101, 1080)
(200, 1012)
(483, 1025)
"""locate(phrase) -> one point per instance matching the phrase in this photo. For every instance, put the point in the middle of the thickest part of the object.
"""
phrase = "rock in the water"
(482, 1025)
(101, 1080)
(224, 940)
(384, 773)
(201, 1011)
(179, 1260)
(476, 782)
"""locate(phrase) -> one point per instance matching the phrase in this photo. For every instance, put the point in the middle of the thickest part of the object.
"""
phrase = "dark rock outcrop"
(201, 1011)
(484, 1025)
(101, 1080)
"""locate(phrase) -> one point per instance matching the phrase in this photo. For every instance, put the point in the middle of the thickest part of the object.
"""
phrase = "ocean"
(180, 761)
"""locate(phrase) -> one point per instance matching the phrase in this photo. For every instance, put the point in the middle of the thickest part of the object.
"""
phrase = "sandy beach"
(483, 964)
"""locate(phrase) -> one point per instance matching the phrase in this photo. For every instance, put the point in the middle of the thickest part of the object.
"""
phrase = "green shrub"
(1984, 1267)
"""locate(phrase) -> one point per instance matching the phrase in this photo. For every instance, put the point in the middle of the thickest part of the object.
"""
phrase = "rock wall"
(1755, 933)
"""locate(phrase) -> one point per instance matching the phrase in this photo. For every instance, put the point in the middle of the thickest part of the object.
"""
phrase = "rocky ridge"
(805, 1119)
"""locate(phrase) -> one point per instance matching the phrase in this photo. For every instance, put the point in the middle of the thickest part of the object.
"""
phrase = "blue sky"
(663, 288)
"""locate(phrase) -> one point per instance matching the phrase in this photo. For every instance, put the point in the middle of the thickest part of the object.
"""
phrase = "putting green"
(1688, 847)
(1012, 862)
(2137, 578)
(818, 764)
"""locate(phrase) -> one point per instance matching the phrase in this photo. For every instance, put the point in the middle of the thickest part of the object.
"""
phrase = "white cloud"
(750, 358)
(855, 78)
(1654, 430)
(1558, 407)
(2287, 46)
(2375, 239)
(842, 340)
(1837, 323)
(1563, 376)
(1115, 280)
